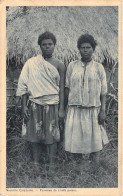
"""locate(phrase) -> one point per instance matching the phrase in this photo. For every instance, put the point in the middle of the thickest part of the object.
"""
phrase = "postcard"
(60, 108)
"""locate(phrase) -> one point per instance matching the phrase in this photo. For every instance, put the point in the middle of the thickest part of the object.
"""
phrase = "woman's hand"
(25, 113)
(101, 117)
(61, 119)
(61, 113)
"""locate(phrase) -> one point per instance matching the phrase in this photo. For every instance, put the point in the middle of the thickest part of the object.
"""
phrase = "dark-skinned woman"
(41, 85)
(86, 89)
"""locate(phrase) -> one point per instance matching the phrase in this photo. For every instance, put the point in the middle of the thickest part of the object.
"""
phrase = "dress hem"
(39, 142)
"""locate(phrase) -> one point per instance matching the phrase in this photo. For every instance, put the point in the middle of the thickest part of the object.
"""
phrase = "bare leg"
(48, 152)
(96, 162)
(52, 152)
(36, 152)
(96, 157)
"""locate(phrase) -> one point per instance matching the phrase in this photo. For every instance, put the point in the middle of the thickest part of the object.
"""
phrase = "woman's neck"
(86, 60)
(46, 57)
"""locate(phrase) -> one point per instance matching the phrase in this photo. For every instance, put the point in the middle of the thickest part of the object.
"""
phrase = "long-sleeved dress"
(83, 134)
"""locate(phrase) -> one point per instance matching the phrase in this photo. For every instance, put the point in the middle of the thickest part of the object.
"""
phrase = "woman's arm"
(102, 114)
(103, 101)
(66, 96)
(61, 70)
(22, 90)
(25, 111)
(67, 82)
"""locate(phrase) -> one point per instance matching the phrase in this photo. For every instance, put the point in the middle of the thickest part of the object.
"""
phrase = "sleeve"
(103, 80)
(22, 82)
(68, 75)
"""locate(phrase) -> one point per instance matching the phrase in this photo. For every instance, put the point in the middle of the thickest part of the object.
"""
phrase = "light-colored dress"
(83, 134)
(40, 80)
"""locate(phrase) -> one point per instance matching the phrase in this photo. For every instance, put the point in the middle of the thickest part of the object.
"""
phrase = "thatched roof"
(24, 24)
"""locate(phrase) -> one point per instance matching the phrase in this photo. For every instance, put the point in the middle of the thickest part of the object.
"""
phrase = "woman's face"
(86, 51)
(47, 47)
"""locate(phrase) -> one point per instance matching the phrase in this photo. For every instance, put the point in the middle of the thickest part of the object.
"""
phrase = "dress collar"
(86, 64)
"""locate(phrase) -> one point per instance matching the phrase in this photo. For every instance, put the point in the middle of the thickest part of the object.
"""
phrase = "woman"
(41, 85)
(86, 89)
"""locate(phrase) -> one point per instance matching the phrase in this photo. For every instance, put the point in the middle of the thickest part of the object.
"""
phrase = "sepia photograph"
(61, 98)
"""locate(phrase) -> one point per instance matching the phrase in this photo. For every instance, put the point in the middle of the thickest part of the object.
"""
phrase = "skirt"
(42, 123)
(83, 134)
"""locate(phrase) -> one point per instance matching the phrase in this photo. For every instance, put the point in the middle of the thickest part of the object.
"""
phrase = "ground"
(71, 171)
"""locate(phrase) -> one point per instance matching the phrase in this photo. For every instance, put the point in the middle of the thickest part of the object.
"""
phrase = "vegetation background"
(24, 24)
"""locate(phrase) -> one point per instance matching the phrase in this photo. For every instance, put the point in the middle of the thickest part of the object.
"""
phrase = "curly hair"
(86, 38)
(46, 35)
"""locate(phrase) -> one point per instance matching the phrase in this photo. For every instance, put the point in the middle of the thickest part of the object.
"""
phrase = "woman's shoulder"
(58, 62)
(32, 60)
(73, 63)
(98, 65)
